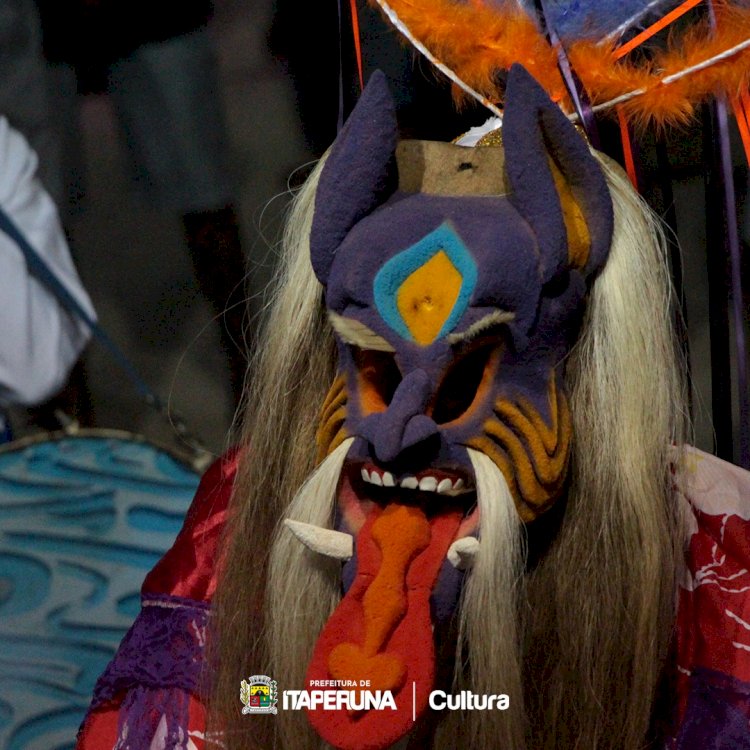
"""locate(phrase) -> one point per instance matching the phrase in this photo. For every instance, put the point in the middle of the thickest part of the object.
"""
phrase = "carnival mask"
(454, 310)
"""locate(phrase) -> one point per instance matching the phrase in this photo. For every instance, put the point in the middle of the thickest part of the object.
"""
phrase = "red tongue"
(381, 630)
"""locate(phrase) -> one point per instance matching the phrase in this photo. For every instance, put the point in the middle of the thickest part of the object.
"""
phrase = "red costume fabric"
(150, 695)
(713, 622)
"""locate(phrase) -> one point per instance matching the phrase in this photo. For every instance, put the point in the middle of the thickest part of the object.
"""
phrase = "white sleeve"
(39, 340)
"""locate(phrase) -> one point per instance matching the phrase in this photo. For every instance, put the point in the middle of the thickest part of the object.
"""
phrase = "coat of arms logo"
(259, 695)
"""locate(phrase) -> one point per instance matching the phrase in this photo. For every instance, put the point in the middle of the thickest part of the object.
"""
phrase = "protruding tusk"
(463, 551)
(327, 542)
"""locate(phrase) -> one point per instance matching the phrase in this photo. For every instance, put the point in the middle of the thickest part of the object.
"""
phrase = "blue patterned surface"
(82, 520)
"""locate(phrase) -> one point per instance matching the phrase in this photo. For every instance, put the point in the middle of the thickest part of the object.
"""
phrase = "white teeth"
(428, 484)
(326, 542)
(445, 486)
(463, 551)
(372, 477)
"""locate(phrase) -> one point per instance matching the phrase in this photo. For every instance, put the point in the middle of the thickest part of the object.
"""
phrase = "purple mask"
(453, 315)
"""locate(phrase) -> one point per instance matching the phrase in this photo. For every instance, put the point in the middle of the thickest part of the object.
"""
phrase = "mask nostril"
(419, 429)
(418, 440)
(419, 454)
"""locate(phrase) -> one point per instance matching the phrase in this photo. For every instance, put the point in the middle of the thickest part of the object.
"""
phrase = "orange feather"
(477, 41)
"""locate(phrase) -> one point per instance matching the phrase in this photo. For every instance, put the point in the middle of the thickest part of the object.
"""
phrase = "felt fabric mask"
(454, 309)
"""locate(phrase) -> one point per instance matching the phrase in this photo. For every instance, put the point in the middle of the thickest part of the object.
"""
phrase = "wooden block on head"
(445, 169)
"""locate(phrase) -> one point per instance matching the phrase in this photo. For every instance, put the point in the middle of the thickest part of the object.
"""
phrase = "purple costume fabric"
(718, 713)
(158, 665)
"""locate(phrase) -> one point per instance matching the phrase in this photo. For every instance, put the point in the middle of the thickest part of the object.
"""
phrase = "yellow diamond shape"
(427, 296)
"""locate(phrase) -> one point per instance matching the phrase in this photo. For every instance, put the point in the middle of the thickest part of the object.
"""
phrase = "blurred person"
(38, 101)
(28, 97)
(160, 70)
(41, 340)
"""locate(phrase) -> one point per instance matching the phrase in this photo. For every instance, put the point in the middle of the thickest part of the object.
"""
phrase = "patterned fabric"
(149, 695)
(713, 624)
(158, 665)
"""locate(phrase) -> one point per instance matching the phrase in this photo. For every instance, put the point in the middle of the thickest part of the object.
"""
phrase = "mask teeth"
(426, 483)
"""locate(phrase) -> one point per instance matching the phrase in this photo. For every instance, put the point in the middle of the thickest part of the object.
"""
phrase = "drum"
(83, 518)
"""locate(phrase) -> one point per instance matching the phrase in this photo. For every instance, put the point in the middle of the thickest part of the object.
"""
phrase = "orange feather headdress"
(476, 40)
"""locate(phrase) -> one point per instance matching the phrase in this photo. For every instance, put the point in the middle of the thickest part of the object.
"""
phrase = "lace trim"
(158, 667)
(163, 649)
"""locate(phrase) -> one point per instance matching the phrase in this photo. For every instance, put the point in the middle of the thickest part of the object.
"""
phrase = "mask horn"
(359, 174)
(557, 185)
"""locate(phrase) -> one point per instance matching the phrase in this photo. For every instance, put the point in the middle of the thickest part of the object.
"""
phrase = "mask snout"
(403, 427)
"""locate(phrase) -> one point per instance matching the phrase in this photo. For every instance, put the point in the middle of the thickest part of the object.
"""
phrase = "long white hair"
(578, 640)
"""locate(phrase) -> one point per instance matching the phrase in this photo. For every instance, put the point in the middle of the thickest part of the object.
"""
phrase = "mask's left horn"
(326, 542)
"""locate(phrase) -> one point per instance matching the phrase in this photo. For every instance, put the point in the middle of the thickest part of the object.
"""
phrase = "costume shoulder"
(713, 626)
(150, 694)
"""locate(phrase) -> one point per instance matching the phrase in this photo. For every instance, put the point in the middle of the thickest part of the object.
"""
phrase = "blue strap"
(39, 268)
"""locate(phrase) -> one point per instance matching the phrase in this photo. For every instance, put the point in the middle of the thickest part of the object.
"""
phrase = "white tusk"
(463, 551)
(327, 542)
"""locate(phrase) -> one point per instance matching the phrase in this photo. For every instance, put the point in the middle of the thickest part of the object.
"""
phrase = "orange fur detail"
(526, 513)
(603, 78)
(579, 239)
(333, 398)
(675, 103)
(527, 421)
(330, 432)
(531, 454)
(477, 41)
(339, 438)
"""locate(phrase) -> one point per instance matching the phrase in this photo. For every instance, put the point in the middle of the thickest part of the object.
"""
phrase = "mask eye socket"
(460, 386)
(378, 377)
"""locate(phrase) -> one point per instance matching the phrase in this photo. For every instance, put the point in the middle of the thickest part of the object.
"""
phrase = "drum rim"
(183, 456)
